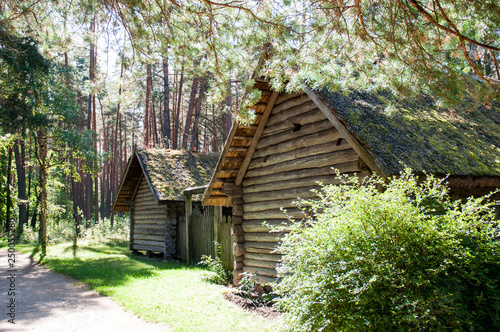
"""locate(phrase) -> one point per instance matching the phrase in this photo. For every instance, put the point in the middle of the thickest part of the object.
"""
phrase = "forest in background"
(83, 82)
(111, 100)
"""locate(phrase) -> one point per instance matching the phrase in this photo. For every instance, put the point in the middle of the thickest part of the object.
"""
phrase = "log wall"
(298, 148)
(154, 227)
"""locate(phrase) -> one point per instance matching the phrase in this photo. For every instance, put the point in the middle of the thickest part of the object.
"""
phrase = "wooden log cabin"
(152, 190)
(297, 140)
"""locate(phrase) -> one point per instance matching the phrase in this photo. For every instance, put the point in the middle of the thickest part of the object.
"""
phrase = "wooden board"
(348, 167)
(326, 136)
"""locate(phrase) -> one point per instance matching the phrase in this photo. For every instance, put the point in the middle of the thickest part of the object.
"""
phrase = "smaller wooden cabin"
(299, 139)
(152, 190)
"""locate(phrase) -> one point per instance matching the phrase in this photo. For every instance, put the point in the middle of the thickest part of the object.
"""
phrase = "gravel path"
(48, 301)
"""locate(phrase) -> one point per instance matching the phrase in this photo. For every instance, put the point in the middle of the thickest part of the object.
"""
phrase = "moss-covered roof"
(169, 172)
(460, 141)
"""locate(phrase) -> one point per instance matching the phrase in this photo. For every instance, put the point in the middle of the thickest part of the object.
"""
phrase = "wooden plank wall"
(298, 148)
(203, 233)
(225, 239)
(149, 221)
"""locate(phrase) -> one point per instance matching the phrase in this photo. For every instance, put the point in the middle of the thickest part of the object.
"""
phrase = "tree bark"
(194, 133)
(147, 120)
(178, 110)
(20, 156)
(189, 114)
(88, 180)
(7, 187)
(43, 188)
(166, 106)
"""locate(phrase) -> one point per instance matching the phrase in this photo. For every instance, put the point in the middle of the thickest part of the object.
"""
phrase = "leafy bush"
(396, 255)
(258, 295)
(103, 231)
(221, 276)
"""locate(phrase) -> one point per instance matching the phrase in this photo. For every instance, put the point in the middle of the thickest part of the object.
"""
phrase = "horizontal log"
(259, 250)
(261, 271)
(146, 194)
(297, 126)
(320, 160)
(144, 190)
(264, 280)
(149, 231)
(292, 213)
(263, 237)
(292, 194)
(282, 97)
(146, 237)
(298, 154)
(157, 244)
(148, 248)
(348, 167)
(147, 220)
(258, 226)
(326, 136)
(153, 216)
(294, 113)
(299, 183)
(145, 201)
(151, 206)
(253, 245)
(270, 205)
(155, 209)
(276, 258)
(152, 212)
(257, 263)
(290, 104)
(149, 226)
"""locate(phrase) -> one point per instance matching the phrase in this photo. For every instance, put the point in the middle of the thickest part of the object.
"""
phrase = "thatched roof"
(168, 173)
(417, 133)
(388, 133)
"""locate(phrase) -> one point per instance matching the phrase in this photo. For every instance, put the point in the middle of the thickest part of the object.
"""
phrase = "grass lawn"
(172, 293)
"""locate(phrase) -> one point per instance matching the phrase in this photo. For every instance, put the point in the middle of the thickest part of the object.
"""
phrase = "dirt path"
(48, 301)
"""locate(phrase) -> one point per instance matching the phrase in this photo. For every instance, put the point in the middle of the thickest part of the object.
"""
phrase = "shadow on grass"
(110, 248)
(113, 265)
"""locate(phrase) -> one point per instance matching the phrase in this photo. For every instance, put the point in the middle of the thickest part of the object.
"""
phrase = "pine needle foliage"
(395, 255)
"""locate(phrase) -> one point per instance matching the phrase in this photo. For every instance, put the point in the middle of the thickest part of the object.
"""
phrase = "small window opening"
(339, 141)
(297, 127)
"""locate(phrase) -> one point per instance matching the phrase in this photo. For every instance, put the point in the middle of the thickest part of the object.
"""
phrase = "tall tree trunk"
(229, 120)
(194, 133)
(189, 114)
(214, 131)
(88, 183)
(7, 188)
(20, 156)
(174, 113)
(166, 106)
(178, 115)
(96, 179)
(147, 115)
(76, 215)
(43, 188)
(104, 171)
(155, 127)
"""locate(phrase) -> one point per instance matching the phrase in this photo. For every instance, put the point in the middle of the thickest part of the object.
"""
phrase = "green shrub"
(400, 255)
(220, 275)
(258, 295)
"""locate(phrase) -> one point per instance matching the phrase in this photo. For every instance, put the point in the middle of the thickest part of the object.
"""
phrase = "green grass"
(172, 293)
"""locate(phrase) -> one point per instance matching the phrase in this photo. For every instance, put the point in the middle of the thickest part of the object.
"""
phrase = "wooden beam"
(256, 138)
(195, 190)
(357, 146)
(189, 212)
(227, 147)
